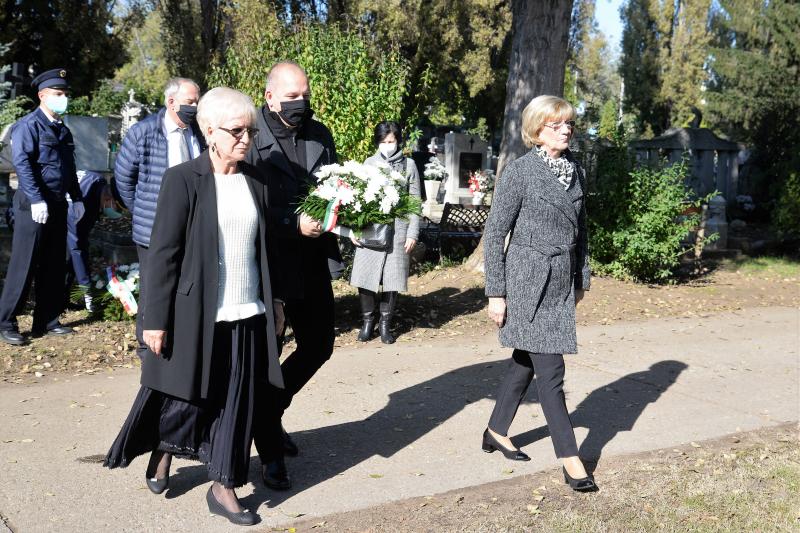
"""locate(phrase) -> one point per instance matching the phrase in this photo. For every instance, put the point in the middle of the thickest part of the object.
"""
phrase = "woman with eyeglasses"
(535, 283)
(212, 316)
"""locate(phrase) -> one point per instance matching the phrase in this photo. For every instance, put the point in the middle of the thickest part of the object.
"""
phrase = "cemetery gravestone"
(463, 154)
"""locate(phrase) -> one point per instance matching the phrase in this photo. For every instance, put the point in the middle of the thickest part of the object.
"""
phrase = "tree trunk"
(538, 59)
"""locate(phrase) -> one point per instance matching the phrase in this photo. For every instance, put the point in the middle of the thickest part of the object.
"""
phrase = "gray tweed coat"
(546, 259)
(372, 268)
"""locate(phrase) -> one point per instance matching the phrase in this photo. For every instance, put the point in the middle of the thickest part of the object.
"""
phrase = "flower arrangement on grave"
(113, 294)
(354, 198)
(434, 170)
(481, 181)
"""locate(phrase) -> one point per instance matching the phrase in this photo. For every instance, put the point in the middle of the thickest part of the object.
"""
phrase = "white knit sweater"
(238, 292)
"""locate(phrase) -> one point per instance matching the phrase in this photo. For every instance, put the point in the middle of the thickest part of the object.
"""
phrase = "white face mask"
(387, 149)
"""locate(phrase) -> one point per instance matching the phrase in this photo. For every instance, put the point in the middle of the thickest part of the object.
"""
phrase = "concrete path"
(383, 423)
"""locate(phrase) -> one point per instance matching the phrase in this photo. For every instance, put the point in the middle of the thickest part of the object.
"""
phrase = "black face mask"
(295, 112)
(187, 114)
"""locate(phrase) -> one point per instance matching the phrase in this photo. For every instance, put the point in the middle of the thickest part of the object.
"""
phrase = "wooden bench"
(459, 231)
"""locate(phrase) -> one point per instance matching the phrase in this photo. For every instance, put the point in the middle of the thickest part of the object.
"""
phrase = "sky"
(608, 21)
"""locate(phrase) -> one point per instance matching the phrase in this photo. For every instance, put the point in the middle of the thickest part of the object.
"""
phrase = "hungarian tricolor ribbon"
(120, 291)
(332, 211)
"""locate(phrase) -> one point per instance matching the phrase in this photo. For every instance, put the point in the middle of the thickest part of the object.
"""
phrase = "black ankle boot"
(388, 301)
(367, 300)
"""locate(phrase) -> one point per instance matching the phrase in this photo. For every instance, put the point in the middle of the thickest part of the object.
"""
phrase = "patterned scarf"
(561, 167)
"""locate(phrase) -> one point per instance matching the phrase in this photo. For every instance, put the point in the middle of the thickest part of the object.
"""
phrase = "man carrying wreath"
(288, 149)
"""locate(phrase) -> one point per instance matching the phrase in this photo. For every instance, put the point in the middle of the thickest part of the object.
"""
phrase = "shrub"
(354, 83)
(786, 217)
(14, 109)
(638, 218)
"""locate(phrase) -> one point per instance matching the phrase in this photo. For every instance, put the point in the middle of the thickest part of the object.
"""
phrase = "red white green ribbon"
(331, 214)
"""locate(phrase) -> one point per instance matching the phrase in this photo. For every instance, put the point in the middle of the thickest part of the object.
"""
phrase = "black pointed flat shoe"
(157, 486)
(584, 484)
(490, 444)
(242, 518)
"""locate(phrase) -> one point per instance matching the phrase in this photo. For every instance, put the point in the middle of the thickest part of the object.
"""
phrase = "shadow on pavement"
(614, 407)
(432, 310)
(415, 411)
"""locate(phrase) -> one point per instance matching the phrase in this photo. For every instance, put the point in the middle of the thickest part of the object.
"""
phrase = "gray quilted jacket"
(547, 256)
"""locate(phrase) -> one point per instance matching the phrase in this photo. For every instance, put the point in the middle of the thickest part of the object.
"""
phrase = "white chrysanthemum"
(390, 192)
(345, 195)
(325, 171)
(357, 207)
(386, 206)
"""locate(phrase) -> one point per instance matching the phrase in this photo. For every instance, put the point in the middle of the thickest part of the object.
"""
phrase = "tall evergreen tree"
(85, 38)
(640, 66)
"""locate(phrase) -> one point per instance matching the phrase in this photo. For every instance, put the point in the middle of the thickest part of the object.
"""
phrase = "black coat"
(298, 256)
(182, 279)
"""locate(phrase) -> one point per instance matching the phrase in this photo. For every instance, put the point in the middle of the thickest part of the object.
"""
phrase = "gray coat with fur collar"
(546, 259)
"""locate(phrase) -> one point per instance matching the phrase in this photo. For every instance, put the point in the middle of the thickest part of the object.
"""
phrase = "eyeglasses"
(557, 125)
(238, 133)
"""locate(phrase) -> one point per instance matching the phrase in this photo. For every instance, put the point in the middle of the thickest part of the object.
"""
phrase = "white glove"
(77, 210)
(39, 212)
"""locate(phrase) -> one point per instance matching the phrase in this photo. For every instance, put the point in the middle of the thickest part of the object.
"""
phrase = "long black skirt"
(217, 431)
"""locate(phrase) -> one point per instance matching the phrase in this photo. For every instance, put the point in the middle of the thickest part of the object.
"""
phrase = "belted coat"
(547, 256)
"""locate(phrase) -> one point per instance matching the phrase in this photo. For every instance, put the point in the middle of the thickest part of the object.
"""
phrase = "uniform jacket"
(183, 278)
(297, 256)
(43, 155)
(372, 268)
(547, 256)
(139, 168)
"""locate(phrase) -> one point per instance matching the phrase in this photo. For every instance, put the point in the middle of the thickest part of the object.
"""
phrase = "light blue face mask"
(56, 104)
(110, 212)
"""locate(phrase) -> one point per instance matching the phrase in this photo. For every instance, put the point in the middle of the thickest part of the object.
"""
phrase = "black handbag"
(377, 237)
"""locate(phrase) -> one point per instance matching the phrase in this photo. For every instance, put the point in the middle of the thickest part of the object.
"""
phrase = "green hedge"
(355, 83)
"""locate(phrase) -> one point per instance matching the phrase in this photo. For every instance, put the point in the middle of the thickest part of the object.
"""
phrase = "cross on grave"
(131, 94)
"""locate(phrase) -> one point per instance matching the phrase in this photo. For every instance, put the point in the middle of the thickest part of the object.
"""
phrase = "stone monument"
(463, 154)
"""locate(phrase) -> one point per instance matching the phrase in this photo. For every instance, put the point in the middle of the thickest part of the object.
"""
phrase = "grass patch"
(776, 266)
(743, 482)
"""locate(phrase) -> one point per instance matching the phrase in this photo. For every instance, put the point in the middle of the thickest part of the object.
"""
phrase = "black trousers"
(549, 371)
(38, 256)
(142, 251)
(312, 321)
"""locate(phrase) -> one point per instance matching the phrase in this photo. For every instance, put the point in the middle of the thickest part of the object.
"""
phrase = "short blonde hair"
(223, 103)
(539, 111)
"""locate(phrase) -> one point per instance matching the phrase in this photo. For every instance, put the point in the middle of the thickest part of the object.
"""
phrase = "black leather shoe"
(157, 486)
(490, 444)
(58, 330)
(10, 336)
(289, 446)
(242, 518)
(275, 475)
(584, 484)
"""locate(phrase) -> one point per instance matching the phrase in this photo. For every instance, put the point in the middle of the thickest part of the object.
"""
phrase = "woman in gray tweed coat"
(534, 285)
(373, 269)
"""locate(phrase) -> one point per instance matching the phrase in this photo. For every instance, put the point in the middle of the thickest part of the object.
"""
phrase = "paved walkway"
(383, 423)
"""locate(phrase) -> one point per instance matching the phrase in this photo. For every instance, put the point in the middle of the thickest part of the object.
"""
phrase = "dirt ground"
(444, 302)
(742, 482)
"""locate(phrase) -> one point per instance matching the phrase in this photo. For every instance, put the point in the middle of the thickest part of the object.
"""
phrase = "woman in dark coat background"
(211, 319)
(374, 270)
(534, 285)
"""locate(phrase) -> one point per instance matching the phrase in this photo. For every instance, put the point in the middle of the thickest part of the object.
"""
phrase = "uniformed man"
(44, 160)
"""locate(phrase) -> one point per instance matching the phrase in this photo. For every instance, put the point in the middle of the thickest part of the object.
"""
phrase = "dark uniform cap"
(55, 79)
